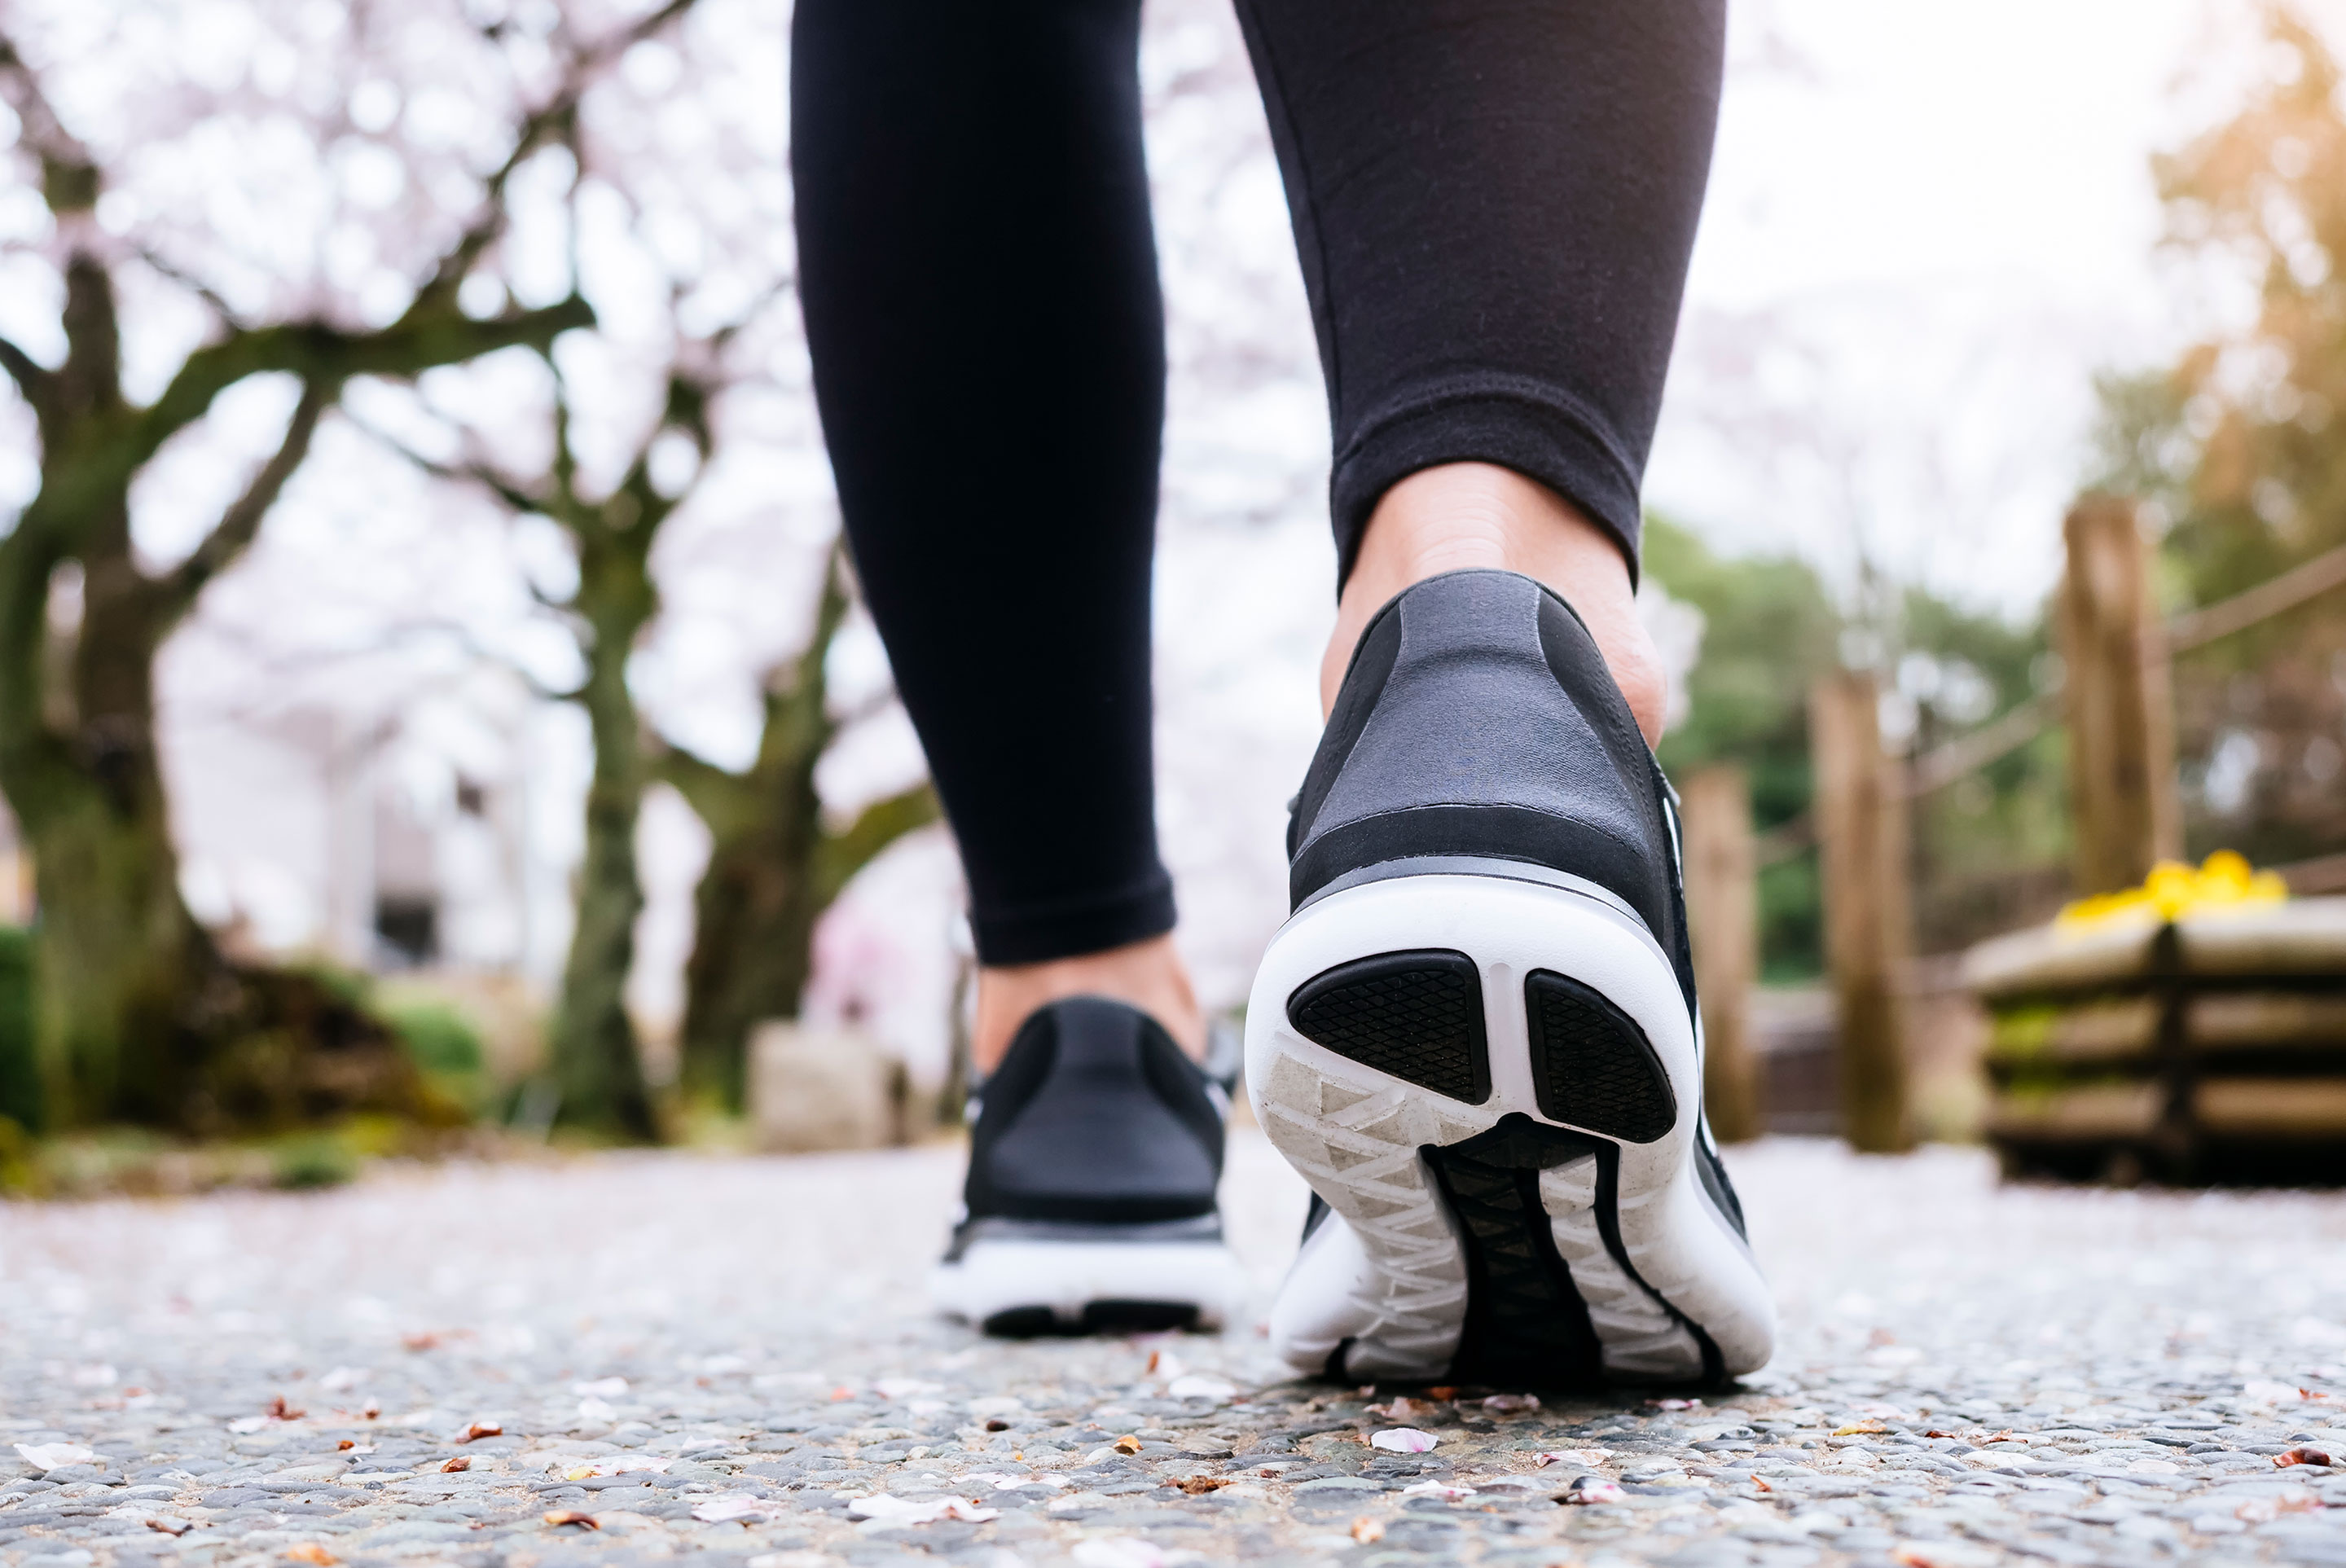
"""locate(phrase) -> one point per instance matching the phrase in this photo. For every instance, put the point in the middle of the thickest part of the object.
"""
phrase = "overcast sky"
(1928, 227)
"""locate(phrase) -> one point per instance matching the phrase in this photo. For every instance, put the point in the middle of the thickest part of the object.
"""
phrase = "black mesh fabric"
(1526, 1317)
(1592, 1064)
(1417, 1016)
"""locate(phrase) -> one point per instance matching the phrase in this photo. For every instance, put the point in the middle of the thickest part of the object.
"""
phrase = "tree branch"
(840, 856)
(417, 342)
(713, 793)
(238, 525)
(25, 372)
(70, 176)
(193, 284)
(550, 123)
(479, 471)
(276, 665)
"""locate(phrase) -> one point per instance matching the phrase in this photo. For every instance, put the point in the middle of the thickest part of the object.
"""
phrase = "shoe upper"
(1095, 1116)
(1478, 719)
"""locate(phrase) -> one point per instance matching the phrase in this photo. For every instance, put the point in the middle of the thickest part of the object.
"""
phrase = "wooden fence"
(2115, 700)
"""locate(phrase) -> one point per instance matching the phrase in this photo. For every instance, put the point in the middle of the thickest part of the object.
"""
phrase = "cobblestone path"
(666, 1356)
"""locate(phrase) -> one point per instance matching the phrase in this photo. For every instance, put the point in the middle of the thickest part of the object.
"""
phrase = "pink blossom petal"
(1584, 1456)
(1404, 1440)
(737, 1506)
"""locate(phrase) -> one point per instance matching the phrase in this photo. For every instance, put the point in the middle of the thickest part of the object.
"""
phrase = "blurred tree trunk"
(773, 867)
(597, 1064)
(596, 1067)
(136, 1004)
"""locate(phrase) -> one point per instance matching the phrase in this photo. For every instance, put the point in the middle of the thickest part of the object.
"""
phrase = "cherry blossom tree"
(200, 199)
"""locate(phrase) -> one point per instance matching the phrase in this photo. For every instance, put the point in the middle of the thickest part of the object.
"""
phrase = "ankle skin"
(1148, 975)
(1465, 515)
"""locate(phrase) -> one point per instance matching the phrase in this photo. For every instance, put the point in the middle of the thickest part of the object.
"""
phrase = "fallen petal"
(2273, 1393)
(1367, 1531)
(53, 1455)
(610, 1464)
(459, 1463)
(1128, 1443)
(2301, 1456)
(970, 1510)
(480, 1430)
(170, 1524)
(312, 1552)
(1511, 1404)
(569, 1516)
(729, 1507)
(884, 1510)
(1119, 1551)
(881, 1505)
(1404, 1440)
(1591, 1489)
(1584, 1456)
(1441, 1490)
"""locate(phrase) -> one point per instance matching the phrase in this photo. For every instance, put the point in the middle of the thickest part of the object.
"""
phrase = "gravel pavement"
(670, 1355)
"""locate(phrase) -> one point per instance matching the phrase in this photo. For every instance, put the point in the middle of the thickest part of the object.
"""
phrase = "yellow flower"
(2223, 882)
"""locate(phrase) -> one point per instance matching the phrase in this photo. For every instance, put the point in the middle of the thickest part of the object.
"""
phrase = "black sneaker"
(1476, 1036)
(1095, 1149)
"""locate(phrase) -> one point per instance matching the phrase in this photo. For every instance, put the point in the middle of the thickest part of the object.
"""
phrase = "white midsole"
(994, 1276)
(1397, 1287)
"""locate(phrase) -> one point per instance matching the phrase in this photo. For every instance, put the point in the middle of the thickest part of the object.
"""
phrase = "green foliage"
(1991, 850)
(20, 1078)
(439, 1039)
(1769, 630)
(312, 1160)
(20, 1167)
(2240, 436)
(2237, 442)
(446, 1048)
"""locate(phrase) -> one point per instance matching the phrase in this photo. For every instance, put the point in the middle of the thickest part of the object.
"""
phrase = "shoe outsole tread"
(1416, 1016)
(1553, 1232)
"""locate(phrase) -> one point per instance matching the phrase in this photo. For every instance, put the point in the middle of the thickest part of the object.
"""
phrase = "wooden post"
(1858, 808)
(2123, 812)
(1723, 913)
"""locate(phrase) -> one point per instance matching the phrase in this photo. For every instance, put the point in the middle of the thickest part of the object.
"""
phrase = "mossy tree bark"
(136, 1003)
(774, 866)
(596, 1062)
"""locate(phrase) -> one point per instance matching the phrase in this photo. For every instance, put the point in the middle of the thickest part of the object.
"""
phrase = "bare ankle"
(1148, 975)
(1465, 516)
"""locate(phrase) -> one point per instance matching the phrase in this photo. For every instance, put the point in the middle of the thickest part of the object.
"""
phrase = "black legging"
(1493, 202)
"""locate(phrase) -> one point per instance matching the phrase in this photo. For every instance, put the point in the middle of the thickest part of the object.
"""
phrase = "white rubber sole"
(1018, 1285)
(1385, 1287)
